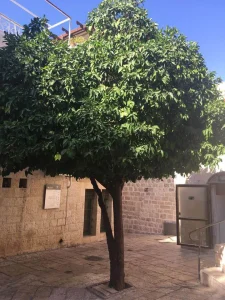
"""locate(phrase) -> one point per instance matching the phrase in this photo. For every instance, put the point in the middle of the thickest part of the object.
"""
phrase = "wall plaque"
(52, 196)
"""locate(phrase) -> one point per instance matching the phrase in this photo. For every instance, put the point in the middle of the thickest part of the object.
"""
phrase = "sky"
(202, 21)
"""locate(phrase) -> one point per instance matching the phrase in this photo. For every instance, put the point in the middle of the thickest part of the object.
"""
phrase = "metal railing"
(10, 26)
(199, 240)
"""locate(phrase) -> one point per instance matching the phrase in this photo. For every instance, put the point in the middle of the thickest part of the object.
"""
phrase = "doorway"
(90, 213)
(198, 206)
(193, 211)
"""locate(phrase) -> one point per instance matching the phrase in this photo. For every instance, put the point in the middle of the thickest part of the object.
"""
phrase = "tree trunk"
(115, 243)
(117, 274)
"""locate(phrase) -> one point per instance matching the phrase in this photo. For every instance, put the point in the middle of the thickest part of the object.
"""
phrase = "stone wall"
(147, 204)
(26, 227)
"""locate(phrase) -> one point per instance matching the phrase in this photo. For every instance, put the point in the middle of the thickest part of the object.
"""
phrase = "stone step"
(215, 278)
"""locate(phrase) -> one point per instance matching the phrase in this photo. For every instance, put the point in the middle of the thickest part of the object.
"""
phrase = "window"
(23, 183)
(6, 183)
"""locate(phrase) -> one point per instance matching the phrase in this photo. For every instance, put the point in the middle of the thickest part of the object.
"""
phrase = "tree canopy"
(132, 101)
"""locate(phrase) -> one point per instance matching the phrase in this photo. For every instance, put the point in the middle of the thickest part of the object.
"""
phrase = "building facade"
(28, 223)
(33, 218)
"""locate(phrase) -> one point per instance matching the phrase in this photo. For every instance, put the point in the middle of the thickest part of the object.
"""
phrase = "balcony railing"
(10, 26)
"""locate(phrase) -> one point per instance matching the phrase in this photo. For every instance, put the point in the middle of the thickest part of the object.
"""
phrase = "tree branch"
(105, 216)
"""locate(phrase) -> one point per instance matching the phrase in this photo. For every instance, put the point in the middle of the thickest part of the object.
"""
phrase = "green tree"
(133, 101)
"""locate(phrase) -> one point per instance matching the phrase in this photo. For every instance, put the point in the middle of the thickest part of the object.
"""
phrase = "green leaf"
(58, 156)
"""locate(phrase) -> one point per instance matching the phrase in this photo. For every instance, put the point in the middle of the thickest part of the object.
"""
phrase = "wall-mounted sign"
(52, 196)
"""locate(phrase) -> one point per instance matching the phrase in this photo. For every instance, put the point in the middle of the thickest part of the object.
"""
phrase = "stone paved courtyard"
(156, 270)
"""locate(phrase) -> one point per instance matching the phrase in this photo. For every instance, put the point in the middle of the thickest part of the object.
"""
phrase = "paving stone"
(7, 294)
(156, 270)
(14, 269)
(152, 296)
(58, 293)
(81, 294)
(25, 293)
(43, 292)
(6, 262)
(3, 278)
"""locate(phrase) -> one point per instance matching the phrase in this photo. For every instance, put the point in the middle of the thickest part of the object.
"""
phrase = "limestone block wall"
(26, 227)
(147, 204)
